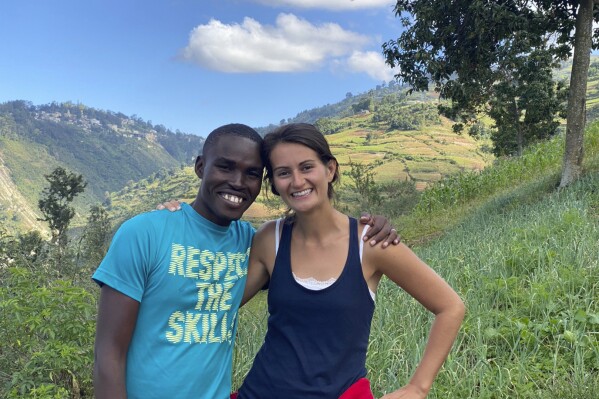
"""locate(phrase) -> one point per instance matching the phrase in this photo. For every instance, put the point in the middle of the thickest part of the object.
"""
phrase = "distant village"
(127, 126)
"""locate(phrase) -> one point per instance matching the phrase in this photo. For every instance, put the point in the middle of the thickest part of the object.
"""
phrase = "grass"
(423, 146)
(529, 274)
(454, 197)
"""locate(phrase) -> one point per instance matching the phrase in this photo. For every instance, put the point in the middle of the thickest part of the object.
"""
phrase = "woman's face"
(300, 177)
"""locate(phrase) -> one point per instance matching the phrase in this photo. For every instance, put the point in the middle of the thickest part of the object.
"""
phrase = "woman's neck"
(319, 224)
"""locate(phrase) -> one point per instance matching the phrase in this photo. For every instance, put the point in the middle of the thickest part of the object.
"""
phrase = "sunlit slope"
(424, 155)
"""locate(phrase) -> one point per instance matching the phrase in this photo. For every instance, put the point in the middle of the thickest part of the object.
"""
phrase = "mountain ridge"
(35, 139)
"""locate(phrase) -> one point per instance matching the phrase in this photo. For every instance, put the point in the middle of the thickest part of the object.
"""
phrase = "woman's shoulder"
(268, 226)
(267, 230)
(264, 244)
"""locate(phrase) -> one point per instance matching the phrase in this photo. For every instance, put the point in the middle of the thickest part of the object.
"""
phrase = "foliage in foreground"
(529, 274)
(47, 336)
(47, 318)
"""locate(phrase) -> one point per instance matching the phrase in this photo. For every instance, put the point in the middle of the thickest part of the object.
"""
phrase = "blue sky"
(193, 65)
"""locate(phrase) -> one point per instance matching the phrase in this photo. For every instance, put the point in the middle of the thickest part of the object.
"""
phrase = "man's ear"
(199, 167)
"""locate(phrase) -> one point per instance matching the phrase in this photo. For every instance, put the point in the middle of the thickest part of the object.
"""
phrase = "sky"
(193, 65)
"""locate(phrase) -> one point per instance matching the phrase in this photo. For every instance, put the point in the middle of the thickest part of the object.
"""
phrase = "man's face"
(231, 172)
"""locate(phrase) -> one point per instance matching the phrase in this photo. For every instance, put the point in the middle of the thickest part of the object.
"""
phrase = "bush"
(47, 336)
(364, 194)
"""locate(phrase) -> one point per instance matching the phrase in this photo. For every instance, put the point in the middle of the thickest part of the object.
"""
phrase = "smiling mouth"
(302, 193)
(232, 198)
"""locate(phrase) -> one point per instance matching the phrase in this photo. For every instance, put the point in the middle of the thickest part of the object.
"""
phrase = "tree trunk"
(576, 115)
(518, 125)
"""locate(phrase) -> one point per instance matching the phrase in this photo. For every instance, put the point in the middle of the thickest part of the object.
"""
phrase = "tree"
(524, 112)
(572, 166)
(393, 110)
(465, 46)
(96, 234)
(365, 104)
(54, 204)
(362, 182)
(330, 126)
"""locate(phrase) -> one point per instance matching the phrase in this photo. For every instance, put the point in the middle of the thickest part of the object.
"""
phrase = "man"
(172, 283)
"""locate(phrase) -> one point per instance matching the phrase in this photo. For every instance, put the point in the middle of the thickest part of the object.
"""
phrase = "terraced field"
(424, 156)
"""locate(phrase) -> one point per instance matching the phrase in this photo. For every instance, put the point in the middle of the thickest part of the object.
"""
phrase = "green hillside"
(344, 107)
(424, 155)
(397, 137)
(108, 149)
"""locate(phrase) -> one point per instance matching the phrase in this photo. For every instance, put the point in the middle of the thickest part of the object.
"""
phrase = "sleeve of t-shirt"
(126, 265)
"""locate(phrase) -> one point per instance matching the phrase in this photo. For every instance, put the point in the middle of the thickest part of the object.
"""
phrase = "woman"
(322, 284)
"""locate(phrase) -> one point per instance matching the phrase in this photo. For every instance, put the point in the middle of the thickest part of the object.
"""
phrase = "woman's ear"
(332, 168)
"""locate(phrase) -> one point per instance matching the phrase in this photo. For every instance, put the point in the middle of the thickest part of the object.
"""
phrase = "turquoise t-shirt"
(188, 275)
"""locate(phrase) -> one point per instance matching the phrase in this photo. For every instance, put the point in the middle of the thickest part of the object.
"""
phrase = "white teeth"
(233, 198)
(302, 193)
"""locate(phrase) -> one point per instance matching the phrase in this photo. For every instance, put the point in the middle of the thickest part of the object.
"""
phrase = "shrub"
(47, 336)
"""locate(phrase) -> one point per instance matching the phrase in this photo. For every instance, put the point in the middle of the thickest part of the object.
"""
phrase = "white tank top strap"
(277, 235)
(362, 240)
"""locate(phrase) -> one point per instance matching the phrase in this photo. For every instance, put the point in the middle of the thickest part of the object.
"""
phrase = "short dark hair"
(236, 129)
(298, 133)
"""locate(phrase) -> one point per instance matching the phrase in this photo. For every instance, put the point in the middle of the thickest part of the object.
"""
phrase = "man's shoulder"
(148, 221)
(154, 216)
(243, 226)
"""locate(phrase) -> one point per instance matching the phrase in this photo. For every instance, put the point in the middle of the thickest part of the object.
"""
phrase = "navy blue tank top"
(316, 342)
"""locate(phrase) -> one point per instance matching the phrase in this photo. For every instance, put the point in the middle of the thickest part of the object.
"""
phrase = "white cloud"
(371, 63)
(335, 5)
(292, 45)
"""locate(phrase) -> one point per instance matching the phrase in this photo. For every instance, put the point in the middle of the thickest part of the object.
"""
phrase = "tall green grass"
(524, 257)
(529, 274)
(452, 198)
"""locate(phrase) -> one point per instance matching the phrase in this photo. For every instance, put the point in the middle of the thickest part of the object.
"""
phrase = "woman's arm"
(262, 257)
(403, 267)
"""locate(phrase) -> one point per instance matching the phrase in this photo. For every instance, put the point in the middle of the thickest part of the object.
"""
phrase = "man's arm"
(117, 315)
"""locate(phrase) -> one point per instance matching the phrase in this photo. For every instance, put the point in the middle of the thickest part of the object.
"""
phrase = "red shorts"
(358, 390)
